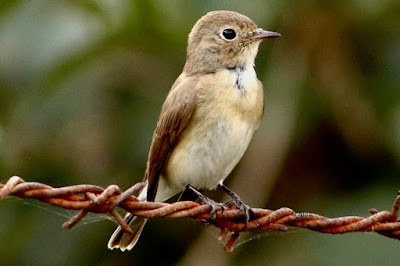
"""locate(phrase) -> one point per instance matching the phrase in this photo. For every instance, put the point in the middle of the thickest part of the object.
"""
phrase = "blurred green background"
(81, 86)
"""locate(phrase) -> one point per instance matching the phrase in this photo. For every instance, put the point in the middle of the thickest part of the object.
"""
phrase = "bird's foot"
(215, 206)
(237, 202)
(243, 207)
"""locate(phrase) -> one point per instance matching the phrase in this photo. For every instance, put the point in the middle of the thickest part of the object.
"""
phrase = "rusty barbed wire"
(95, 199)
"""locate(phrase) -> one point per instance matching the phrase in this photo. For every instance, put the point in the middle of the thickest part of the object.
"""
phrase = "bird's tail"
(123, 240)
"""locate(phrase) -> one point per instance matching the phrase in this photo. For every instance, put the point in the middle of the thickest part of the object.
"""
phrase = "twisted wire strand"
(90, 198)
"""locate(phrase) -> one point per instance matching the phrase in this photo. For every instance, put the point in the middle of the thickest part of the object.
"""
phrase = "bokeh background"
(81, 86)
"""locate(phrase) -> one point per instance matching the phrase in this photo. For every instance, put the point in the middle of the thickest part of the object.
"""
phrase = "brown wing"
(176, 112)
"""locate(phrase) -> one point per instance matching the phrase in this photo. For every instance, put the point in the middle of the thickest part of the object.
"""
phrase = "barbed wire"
(90, 198)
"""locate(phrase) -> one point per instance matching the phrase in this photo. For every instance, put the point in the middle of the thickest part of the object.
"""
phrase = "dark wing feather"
(175, 115)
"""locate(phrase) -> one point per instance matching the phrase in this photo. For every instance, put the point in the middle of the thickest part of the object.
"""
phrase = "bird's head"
(223, 39)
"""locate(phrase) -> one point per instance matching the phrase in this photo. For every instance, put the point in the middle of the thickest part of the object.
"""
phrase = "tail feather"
(125, 241)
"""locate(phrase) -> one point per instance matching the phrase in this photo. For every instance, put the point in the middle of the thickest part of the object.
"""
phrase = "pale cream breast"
(235, 92)
(228, 111)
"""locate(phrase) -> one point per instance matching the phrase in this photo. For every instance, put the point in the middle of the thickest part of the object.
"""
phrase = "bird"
(208, 117)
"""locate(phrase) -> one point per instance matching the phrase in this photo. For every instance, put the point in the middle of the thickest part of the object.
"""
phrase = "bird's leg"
(189, 195)
(235, 199)
(214, 205)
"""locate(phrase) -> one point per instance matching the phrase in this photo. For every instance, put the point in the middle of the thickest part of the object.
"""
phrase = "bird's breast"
(216, 138)
(234, 91)
(208, 151)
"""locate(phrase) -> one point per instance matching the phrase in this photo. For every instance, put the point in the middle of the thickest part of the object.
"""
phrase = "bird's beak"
(261, 34)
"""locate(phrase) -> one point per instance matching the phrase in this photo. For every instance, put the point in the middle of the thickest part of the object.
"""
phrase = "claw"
(235, 200)
(215, 206)
(243, 208)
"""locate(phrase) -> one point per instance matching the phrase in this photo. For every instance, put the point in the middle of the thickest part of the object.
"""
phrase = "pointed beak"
(264, 34)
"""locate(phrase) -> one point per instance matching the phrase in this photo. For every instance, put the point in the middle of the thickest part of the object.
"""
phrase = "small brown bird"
(208, 117)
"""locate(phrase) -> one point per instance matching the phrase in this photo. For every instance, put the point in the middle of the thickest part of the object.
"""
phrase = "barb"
(91, 198)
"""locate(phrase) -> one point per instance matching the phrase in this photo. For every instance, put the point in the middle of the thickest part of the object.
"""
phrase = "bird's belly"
(207, 153)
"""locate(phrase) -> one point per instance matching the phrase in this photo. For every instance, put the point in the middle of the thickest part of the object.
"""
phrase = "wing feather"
(175, 115)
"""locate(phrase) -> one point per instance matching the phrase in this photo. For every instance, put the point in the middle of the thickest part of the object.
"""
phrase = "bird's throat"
(242, 73)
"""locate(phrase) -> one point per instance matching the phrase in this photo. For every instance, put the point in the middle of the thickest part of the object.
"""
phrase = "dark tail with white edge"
(125, 241)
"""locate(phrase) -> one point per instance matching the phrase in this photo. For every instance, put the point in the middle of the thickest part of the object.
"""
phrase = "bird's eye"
(229, 34)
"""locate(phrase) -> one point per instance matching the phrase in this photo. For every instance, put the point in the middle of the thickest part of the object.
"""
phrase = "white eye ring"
(228, 34)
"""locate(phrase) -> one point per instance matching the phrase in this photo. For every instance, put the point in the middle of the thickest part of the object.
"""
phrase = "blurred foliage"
(81, 85)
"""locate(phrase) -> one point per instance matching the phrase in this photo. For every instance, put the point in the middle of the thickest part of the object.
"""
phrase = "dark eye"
(229, 34)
